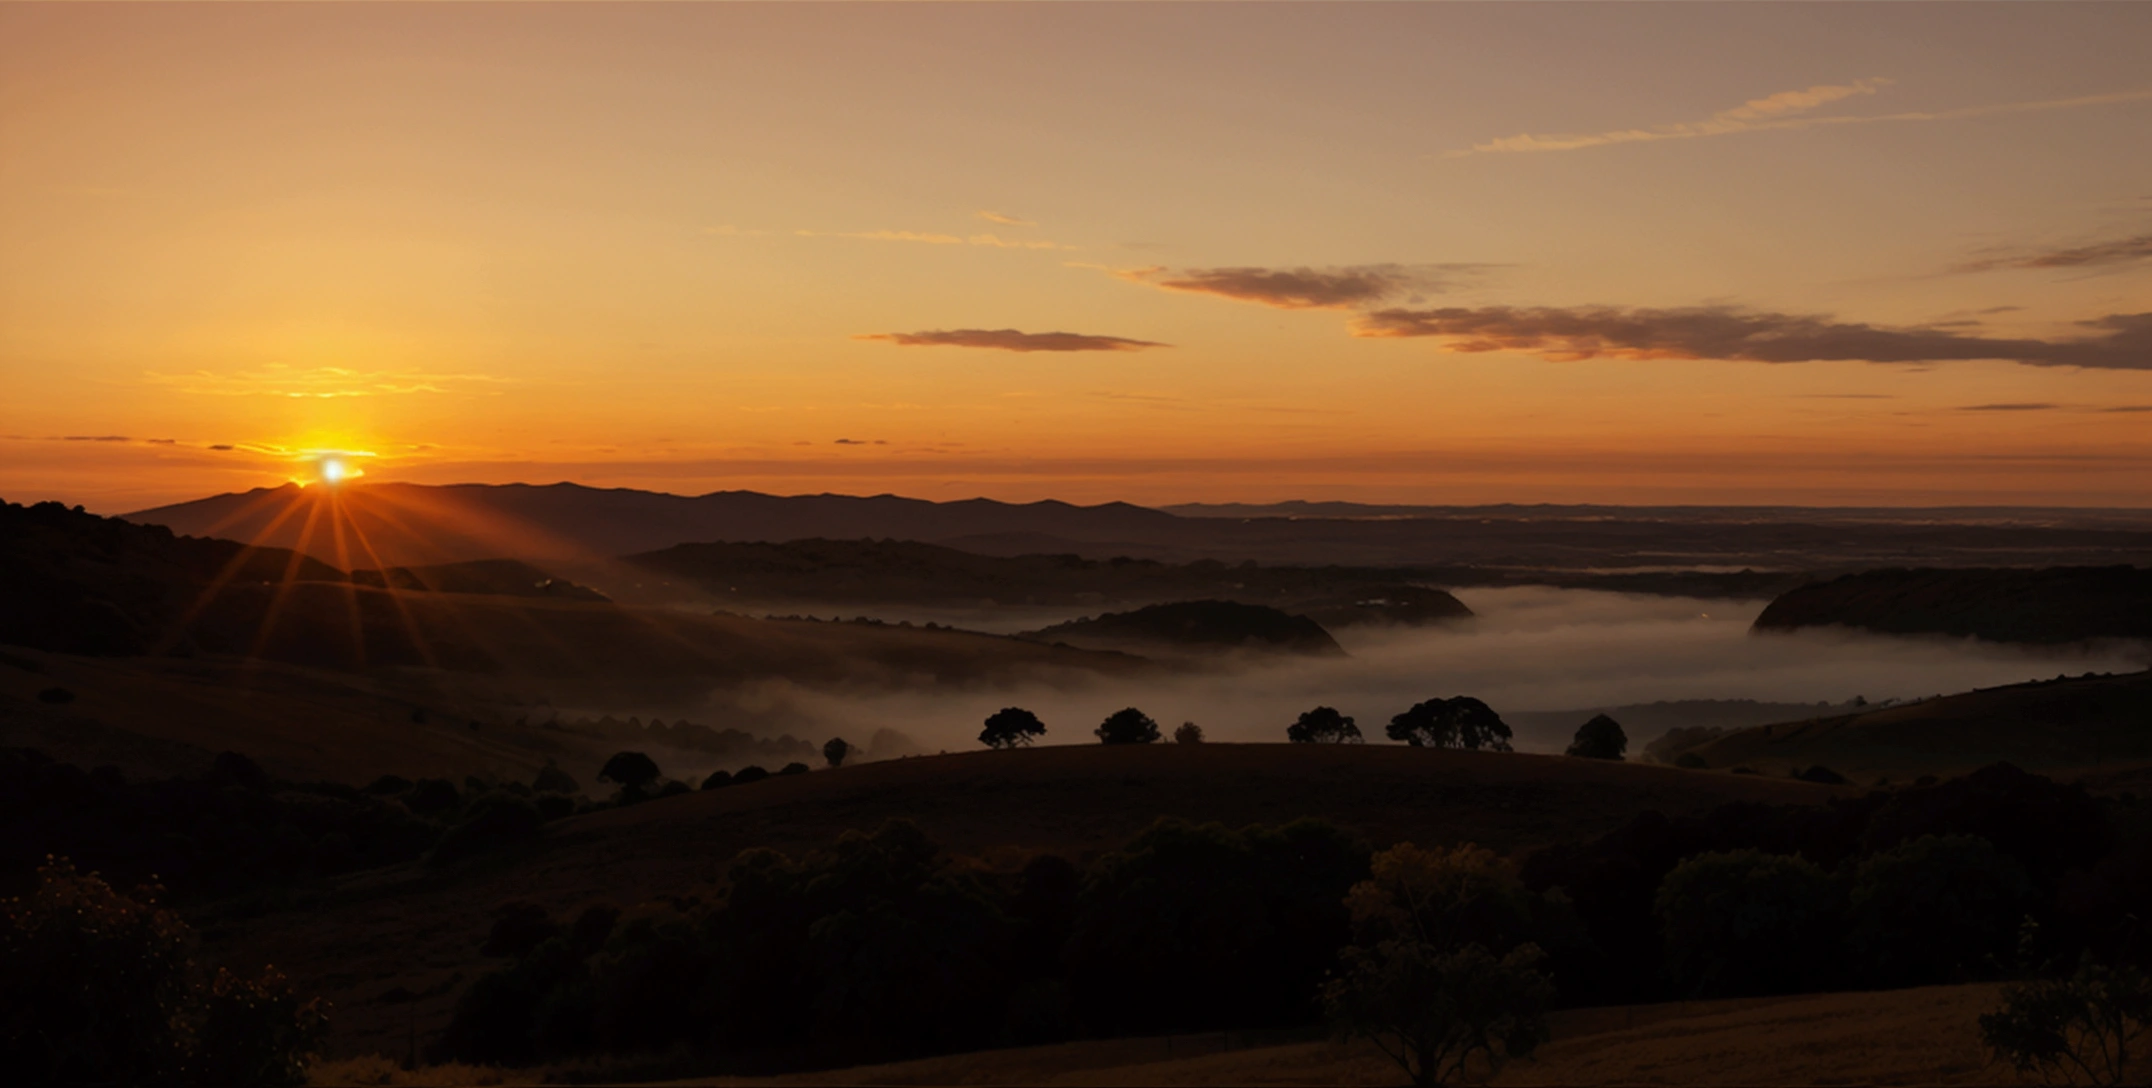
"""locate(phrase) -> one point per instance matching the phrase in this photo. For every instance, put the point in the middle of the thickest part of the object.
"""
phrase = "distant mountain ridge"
(401, 524)
(417, 525)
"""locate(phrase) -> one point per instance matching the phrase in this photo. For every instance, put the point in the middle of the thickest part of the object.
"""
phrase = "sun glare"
(330, 467)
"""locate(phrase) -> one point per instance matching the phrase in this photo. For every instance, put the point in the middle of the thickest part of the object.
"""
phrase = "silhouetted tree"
(1442, 970)
(1600, 738)
(750, 773)
(794, 768)
(2081, 1026)
(1745, 922)
(1323, 725)
(1460, 722)
(1188, 733)
(632, 770)
(1011, 727)
(718, 780)
(1127, 726)
(836, 750)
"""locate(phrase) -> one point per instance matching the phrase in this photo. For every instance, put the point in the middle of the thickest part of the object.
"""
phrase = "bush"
(1323, 725)
(1821, 775)
(2081, 1026)
(1599, 738)
(794, 768)
(102, 988)
(1690, 761)
(430, 796)
(1011, 727)
(718, 780)
(1188, 733)
(749, 773)
(1746, 922)
(1127, 726)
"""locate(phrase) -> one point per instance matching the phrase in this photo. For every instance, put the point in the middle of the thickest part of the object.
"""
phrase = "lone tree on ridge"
(1462, 722)
(1011, 727)
(836, 750)
(633, 770)
(1323, 725)
(1127, 726)
(1600, 738)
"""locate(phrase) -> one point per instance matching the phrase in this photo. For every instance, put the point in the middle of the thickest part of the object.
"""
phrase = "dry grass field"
(1911, 1037)
(392, 948)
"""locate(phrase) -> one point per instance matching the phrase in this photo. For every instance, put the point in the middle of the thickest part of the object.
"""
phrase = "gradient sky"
(1739, 253)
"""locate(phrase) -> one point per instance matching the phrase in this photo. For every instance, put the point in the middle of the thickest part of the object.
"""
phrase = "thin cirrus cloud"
(992, 241)
(1013, 340)
(1342, 288)
(2114, 342)
(1783, 111)
(1006, 220)
(2112, 252)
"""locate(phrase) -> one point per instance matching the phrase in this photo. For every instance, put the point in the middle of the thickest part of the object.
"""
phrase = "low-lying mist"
(1529, 649)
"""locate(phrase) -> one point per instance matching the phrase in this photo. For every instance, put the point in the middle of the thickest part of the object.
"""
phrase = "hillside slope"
(418, 930)
(1197, 627)
(2053, 605)
(2051, 725)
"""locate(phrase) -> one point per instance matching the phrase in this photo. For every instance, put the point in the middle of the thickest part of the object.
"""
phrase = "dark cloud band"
(2114, 342)
(1304, 288)
(2117, 251)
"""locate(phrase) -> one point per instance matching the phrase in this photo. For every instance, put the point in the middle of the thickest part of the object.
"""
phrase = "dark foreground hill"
(395, 948)
(2063, 724)
(2054, 605)
(1197, 626)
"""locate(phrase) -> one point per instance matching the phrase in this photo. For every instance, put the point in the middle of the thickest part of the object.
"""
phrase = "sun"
(331, 467)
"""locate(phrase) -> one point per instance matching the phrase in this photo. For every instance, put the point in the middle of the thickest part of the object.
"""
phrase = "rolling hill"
(2053, 605)
(2050, 726)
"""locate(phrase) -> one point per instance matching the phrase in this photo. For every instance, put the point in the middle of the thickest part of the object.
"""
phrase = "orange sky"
(1405, 253)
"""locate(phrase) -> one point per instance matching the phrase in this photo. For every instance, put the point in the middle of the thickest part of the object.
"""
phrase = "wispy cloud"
(322, 382)
(1335, 288)
(1006, 220)
(2016, 406)
(992, 241)
(1786, 110)
(2117, 341)
(1012, 340)
(2110, 252)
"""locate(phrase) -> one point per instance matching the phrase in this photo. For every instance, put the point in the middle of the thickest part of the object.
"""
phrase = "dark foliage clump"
(1127, 726)
(229, 831)
(794, 768)
(1194, 927)
(1460, 722)
(1323, 725)
(718, 780)
(836, 751)
(1820, 775)
(1599, 738)
(551, 779)
(749, 773)
(97, 987)
(1011, 727)
(633, 771)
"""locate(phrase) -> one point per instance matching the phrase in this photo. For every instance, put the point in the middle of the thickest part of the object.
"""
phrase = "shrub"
(1127, 726)
(1690, 761)
(1323, 725)
(2080, 1026)
(1188, 733)
(749, 773)
(429, 796)
(1011, 727)
(1820, 775)
(718, 780)
(1599, 738)
(794, 768)
(554, 806)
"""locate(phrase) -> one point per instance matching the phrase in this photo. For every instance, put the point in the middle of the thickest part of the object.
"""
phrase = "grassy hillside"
(2057, 604)
(377, 939)
(2051, 725)
(1921, 1036)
